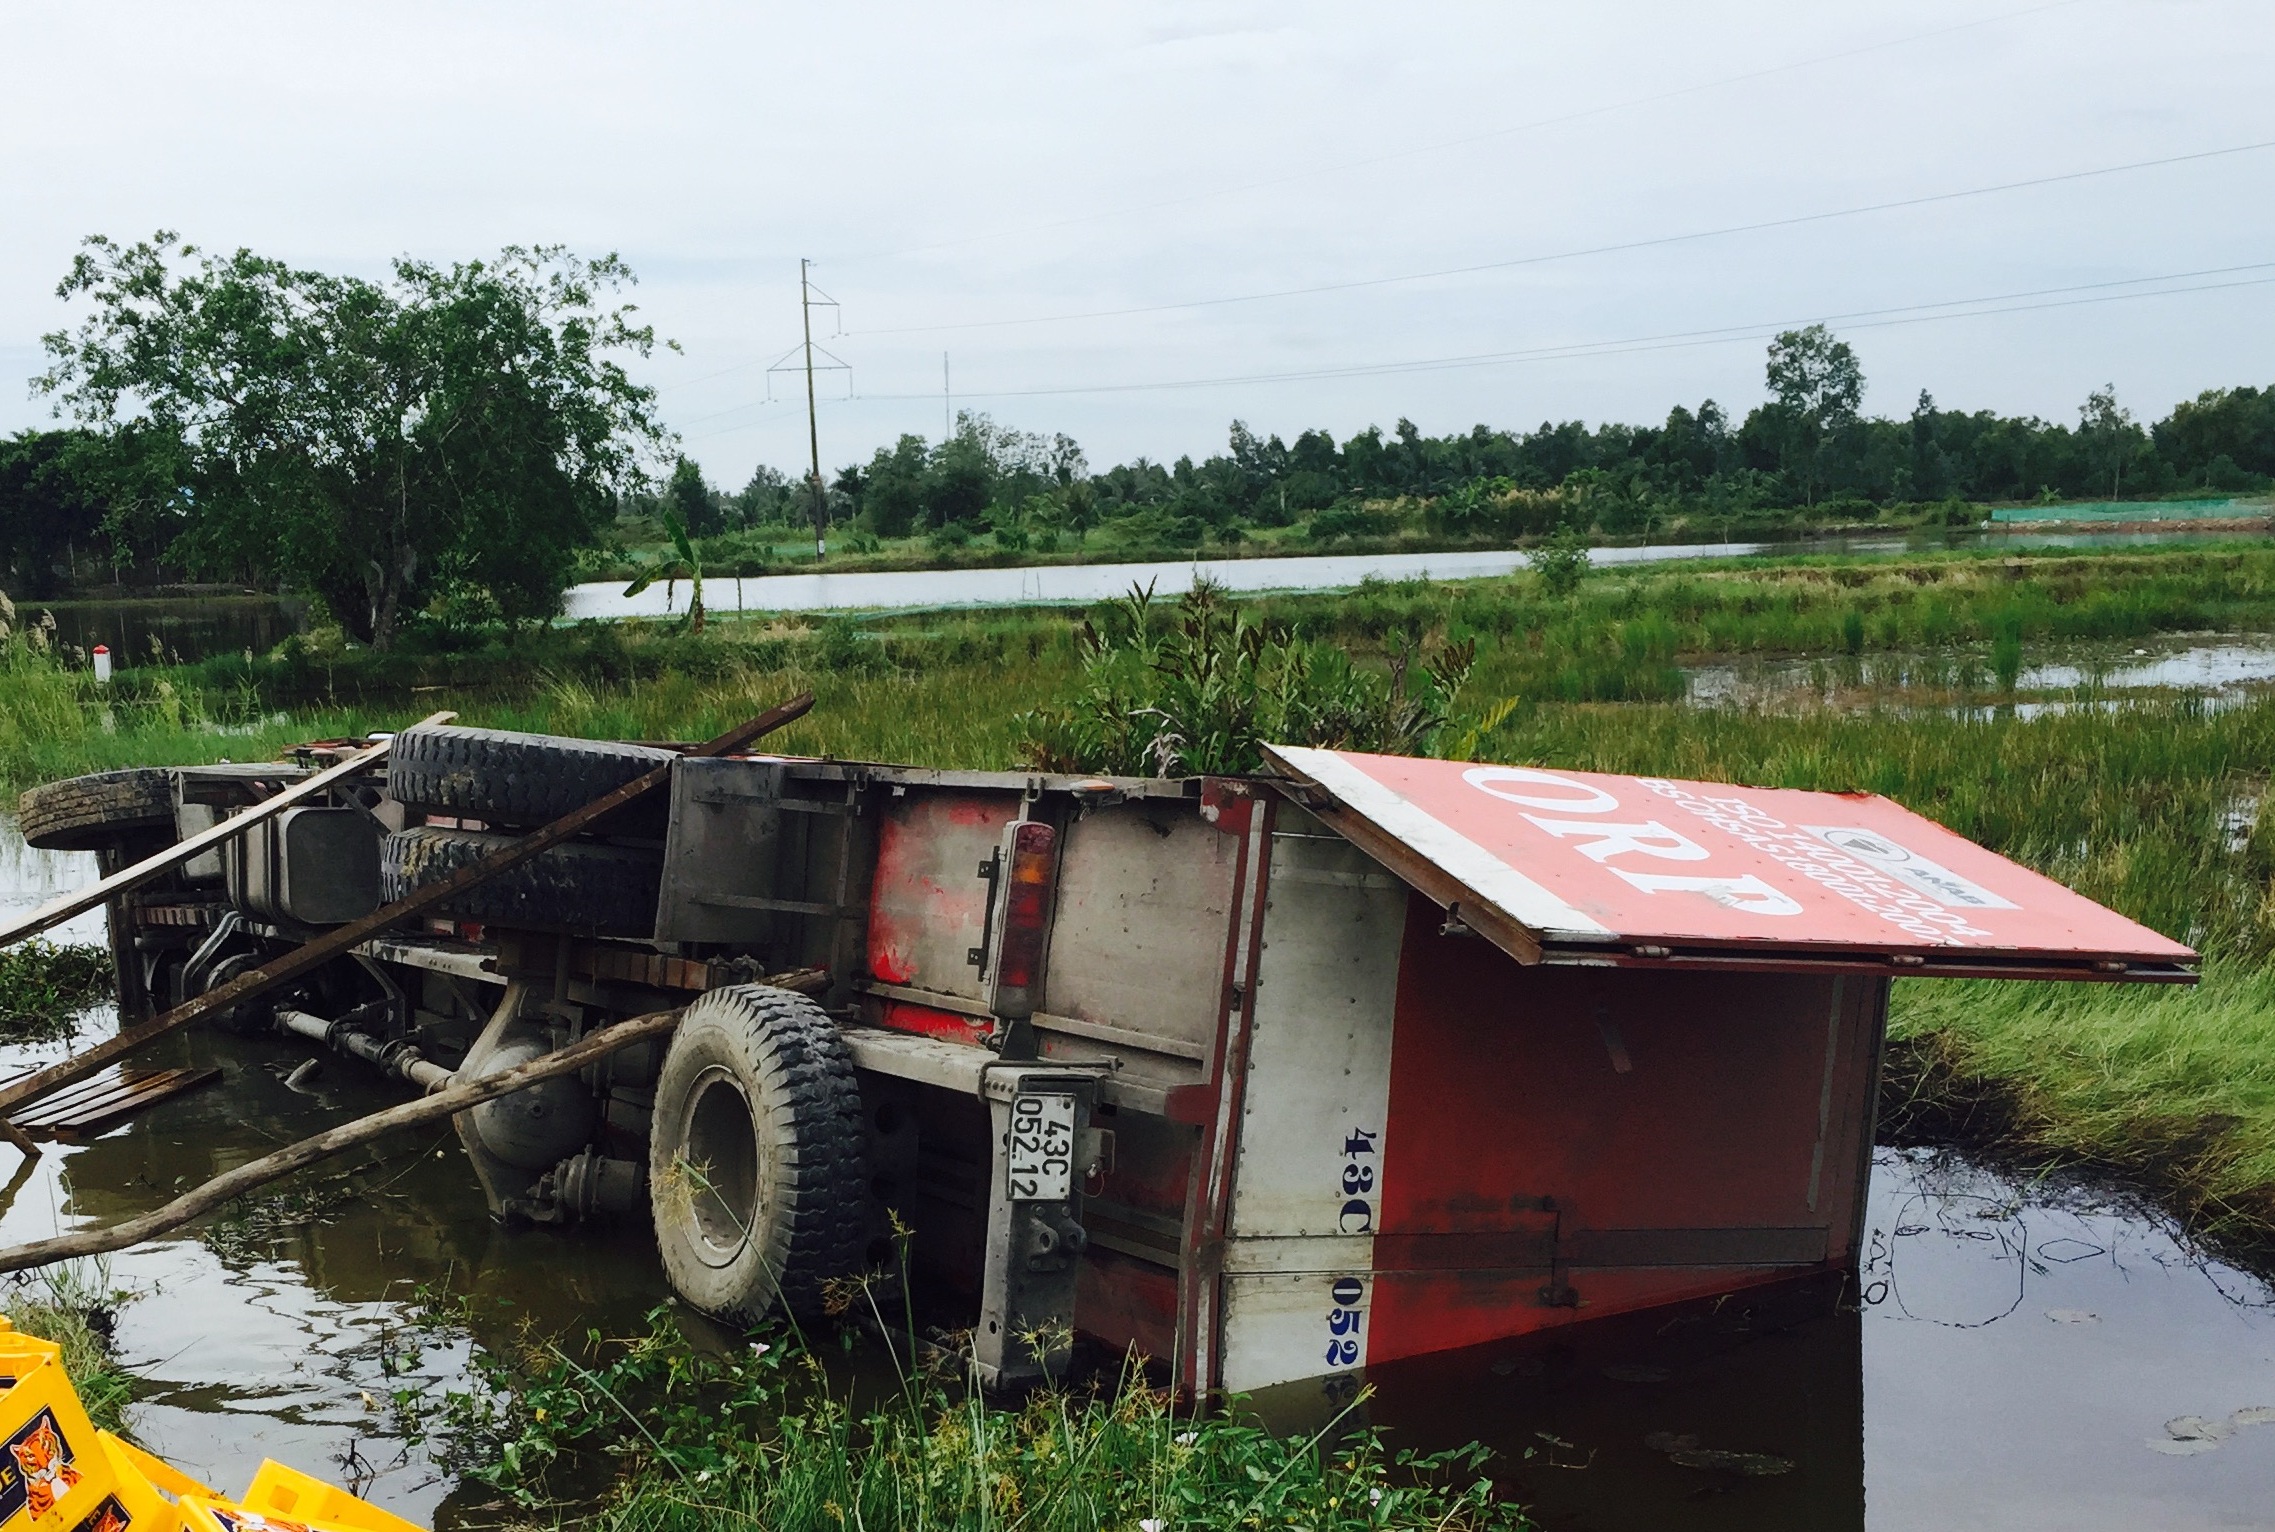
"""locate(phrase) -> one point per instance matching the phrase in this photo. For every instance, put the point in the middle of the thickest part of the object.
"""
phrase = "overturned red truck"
(1267, 1078)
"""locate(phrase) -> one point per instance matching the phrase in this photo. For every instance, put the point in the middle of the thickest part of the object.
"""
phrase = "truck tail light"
(1028, 875)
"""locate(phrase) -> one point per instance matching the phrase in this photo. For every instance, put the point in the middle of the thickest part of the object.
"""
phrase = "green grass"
(2171, 1090)
(766, 1435)
(74, 1305)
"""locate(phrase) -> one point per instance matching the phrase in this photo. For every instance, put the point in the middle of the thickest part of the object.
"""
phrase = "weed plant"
(1201, 694)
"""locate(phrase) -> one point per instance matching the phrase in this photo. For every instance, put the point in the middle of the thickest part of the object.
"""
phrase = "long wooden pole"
(341, 938)
(411, 1114)
(56, 911)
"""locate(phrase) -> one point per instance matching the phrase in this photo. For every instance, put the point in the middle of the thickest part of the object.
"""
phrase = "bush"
(1561, 561)
(1202, 697)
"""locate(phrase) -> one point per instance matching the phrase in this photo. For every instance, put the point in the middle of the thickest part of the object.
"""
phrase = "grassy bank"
(2170, 1091)
(43, 988)
(75, 1306)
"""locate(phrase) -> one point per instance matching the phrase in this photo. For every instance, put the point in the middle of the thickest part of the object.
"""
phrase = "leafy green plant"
(1561, 561)
(684, 564)
(1204, 692)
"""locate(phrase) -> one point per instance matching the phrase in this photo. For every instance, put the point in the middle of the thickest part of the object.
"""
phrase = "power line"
(1855, 319)
(1675, 341)
(1345, 167)
(1653, 242)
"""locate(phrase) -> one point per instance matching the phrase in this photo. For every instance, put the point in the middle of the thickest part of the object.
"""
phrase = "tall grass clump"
(1204, 690)
(761, 1435)
(75, 1306)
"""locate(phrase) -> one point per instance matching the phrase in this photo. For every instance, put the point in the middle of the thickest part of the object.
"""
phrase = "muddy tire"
(500, 777)
(584, 887)
(93, 812)
(757, 1172)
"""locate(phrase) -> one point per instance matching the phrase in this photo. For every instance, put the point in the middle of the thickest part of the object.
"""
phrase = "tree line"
(1807, 451)
(449, 442)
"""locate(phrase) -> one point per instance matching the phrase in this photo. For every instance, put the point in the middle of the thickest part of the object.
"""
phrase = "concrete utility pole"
(947, 425)
(813, 428)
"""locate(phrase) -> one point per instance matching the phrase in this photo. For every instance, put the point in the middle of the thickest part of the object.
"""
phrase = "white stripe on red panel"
(1491, 879)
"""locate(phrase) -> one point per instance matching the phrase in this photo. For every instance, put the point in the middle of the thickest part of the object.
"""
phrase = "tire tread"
(91, 812)
(579, 886)
(503, 777)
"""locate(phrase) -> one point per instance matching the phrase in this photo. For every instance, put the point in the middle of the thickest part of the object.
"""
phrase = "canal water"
(1076, 584)
(172, 629)
(2025, 1356)
(193, 628)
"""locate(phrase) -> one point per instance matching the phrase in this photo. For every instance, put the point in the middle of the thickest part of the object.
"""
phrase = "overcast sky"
(987, 181)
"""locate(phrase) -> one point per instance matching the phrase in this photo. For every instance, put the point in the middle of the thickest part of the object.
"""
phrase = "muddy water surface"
(2025, 1358)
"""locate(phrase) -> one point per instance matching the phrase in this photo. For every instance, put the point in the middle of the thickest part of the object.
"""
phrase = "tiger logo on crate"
(44, 1471)
(110, 1516)
(254, 1521)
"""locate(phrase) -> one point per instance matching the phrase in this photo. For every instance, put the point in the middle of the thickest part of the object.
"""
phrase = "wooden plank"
(323, 949)
(78, 901)
(111, 1098)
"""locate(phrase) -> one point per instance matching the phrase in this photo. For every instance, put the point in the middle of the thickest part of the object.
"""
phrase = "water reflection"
(2011, 1355)
(2223, 672)
(176, 628)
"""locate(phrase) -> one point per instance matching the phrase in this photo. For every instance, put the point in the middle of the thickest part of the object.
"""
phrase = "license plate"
(1041, 1163)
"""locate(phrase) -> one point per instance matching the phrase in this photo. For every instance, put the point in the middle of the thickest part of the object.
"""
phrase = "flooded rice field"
(2220, 669)
(2029, 1356)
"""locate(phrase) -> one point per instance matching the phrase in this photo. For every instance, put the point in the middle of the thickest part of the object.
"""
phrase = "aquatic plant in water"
(756, 1433)
(44, 987)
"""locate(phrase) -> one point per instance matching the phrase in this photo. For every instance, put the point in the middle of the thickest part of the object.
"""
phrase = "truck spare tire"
(500, 777)
(757, 1166)
(587, 887)
(93, 812)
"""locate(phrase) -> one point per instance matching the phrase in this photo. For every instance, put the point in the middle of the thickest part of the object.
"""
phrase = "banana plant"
(671, 570)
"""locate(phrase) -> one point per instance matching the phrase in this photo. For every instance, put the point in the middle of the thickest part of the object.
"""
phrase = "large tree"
(51, 508)
(1819, 387)
(374, 443)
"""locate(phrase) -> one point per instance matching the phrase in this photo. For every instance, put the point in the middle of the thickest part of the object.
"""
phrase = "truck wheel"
(585, 887)
(92, 812)
(505, 778)
(756, 1167)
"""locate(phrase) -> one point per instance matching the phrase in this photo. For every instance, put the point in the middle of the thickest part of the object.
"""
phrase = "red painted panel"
(1594, 856)
(1508, 1103)
(928, 904)
(1128, 1304)
(925, 1021)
